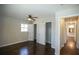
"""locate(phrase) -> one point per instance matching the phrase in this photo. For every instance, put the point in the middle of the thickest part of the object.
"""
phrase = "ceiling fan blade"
(32, 18)
(35, 17)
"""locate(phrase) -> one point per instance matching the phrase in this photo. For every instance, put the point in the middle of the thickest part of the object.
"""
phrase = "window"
(24, 27)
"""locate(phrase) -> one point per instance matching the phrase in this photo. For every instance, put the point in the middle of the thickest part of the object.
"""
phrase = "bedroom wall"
(11, 31)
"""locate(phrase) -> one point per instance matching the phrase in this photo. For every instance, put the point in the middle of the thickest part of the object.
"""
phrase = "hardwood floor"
(27, 48)
(69, 48)
(68, 51)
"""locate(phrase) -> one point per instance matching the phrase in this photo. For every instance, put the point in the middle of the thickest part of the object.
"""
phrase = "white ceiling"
(39, 10)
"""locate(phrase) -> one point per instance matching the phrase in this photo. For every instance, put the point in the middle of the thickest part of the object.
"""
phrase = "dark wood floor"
(27, 48)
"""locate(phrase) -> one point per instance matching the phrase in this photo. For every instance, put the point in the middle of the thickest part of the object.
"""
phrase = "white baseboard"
(52, 47)
(41, 43)
(30, 40)
(12, 43)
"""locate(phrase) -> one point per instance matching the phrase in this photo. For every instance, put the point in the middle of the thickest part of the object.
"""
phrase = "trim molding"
(41, 43)
(30, 40)
(12, 43)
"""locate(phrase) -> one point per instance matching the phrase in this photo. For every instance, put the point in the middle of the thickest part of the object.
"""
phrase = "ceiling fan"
(31, 18)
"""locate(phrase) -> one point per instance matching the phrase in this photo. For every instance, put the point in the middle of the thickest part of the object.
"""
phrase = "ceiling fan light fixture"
(29, 19)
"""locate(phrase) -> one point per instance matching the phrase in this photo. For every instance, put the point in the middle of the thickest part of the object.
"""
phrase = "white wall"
(41, 30)
(30, 32)
(59, 15)
(1, 28)
(41, 33)
(57, 37)
(11, 31)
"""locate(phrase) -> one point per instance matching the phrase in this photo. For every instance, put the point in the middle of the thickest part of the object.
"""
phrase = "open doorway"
(48, 34)
(70, 29)
(68, 41)
(35, 32)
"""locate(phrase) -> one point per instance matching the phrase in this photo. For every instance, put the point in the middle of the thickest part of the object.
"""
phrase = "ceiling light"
(29, 19)
(71, 26)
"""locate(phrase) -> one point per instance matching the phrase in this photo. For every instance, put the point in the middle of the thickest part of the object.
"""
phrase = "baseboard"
(30, 40)
(41, 43)
(12, 43)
